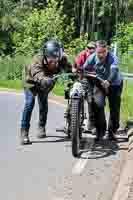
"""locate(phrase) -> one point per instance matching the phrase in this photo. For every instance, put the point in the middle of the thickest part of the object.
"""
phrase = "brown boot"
(24, 137)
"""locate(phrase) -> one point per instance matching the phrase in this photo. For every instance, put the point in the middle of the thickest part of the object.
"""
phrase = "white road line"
(21, 94)
(79, 167)
(11, 92)
(81, 163)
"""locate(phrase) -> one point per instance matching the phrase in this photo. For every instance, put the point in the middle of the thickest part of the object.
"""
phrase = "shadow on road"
(89, 149)
(52, 139)
(104, 148)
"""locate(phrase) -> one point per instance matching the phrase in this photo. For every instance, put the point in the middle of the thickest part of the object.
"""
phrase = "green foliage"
(40, 26)
(11, 67)
(124, 40)
(126, 62)
(76, 46)
(8, 23)
(124, 37)
(127, 101)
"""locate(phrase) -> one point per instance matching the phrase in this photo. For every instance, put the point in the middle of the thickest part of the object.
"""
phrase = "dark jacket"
(36, 74)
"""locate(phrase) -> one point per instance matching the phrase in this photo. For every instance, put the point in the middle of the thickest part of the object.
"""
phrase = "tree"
(7, 24)
(98, 16)
(40, 26)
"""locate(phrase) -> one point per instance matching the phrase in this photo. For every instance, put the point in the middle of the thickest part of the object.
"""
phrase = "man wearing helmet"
(38, 81)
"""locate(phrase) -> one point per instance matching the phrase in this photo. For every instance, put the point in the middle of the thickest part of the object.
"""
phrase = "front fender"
(77, 90)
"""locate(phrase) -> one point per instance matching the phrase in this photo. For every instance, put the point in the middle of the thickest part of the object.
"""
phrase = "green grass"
(12, 84)
(126, 63)
(58, 89)
(127, 99)
(17, 84)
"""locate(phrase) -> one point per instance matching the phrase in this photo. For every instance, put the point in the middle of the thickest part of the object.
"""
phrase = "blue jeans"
(29, 105)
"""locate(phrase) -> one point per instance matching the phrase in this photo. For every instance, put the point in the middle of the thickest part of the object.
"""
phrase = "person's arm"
(113, 72)
(89, 64)
(80, 60)
(39, 76)
(113, 69)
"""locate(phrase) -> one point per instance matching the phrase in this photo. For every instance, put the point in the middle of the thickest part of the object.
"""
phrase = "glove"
(55, 78)
(74, 70)
(106, 84)
(48, 82)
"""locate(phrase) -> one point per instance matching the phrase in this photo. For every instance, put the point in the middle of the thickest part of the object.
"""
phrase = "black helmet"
(52, 49)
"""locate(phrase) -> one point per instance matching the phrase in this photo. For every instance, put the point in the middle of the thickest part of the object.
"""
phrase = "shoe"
(24, 137)
(41, 133)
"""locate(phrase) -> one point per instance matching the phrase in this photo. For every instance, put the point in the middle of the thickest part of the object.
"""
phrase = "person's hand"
(74, 70)
(106, 84)
(50, 81)
(55, 78)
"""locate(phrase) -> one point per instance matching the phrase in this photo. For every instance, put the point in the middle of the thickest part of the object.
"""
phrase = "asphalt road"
(46, 169)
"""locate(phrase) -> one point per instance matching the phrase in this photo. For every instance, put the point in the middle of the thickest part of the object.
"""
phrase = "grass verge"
(11, 84)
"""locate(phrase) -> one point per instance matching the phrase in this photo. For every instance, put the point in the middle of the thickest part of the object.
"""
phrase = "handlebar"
(93, 76)
(90, 75)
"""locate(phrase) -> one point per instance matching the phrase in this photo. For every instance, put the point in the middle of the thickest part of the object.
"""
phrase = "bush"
(126, 62)
(124, 37)
(40, 26)
(76, 45)
(11, 67)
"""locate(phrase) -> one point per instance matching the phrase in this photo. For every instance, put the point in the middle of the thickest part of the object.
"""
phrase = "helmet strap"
(45, 57)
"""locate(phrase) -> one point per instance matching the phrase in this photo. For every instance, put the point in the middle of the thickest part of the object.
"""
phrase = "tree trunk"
(93, 19)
